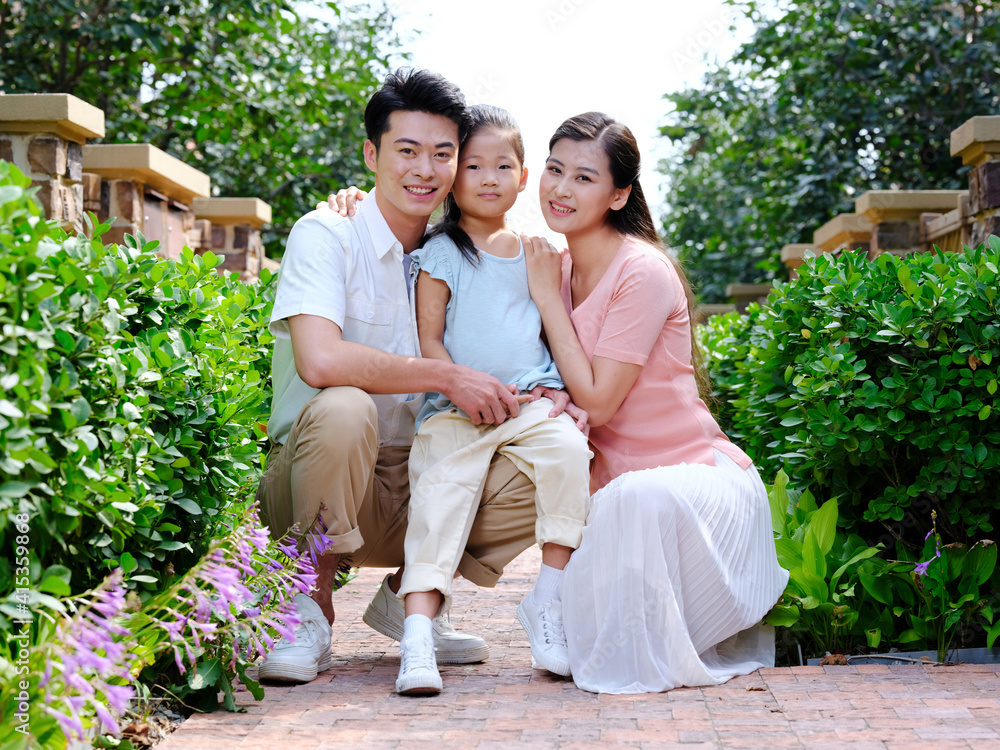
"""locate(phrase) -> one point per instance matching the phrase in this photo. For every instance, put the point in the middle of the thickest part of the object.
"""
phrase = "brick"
(105, 212)
(896, 235)
(50, 197)
(218, 238)
(6, 150)
(984, 187)
(129, 201)
(47, 155)
(241, 236)
(117, 234)
(74, 162)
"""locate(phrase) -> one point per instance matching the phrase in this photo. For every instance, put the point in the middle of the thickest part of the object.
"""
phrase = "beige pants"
(448, 471)
(331, 465)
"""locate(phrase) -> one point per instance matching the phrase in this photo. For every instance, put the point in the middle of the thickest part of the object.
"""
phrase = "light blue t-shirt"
(491, 322)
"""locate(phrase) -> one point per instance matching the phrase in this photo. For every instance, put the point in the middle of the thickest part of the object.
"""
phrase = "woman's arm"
(432, 301)
(599, 387)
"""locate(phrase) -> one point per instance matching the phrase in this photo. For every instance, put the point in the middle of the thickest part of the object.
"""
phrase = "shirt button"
(370, 315)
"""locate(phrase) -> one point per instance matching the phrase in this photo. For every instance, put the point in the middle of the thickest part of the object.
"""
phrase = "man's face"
(415, 165)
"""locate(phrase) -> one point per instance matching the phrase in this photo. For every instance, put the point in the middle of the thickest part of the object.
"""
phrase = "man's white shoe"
(309, 655)
(385, 614)
(544, 626)
(418, 672)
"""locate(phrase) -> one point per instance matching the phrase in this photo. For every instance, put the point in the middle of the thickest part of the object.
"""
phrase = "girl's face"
(489, 175)
(576, 190)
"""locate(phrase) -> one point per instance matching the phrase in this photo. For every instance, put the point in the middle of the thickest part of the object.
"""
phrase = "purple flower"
(85, 653)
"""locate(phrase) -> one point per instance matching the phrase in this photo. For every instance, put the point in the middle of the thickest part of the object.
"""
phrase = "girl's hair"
(481, 117)
(633, 218)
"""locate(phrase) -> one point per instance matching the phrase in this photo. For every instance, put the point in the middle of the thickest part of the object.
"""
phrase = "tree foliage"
(266, 101)
(827, 100)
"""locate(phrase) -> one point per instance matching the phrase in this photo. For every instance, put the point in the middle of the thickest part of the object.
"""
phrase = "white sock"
(547, 584)
(417, 626)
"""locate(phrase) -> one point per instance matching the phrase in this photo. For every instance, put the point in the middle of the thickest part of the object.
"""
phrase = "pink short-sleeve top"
(638, 314)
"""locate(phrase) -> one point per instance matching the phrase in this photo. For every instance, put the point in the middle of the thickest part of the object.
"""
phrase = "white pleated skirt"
(676, 569)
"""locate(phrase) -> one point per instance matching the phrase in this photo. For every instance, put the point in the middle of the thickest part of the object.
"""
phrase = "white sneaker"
(309, 655)
(544, 626)
(385, 614)
(418, 672)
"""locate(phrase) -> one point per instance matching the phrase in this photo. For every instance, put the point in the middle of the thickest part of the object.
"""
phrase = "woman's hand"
(544, 264)
(344, 202)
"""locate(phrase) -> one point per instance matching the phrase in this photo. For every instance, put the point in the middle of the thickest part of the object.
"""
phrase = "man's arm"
(323, 359)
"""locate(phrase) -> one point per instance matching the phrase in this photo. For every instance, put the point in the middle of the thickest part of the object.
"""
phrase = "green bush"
(842, 598)
(875, 381)
(131, 391)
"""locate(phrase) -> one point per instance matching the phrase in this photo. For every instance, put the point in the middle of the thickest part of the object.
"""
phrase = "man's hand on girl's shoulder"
(344, 201)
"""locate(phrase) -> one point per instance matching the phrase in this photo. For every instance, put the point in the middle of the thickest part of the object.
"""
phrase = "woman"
(677, 564)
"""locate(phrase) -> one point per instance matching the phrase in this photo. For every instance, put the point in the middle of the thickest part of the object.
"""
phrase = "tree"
(267, 102)
(827, 100)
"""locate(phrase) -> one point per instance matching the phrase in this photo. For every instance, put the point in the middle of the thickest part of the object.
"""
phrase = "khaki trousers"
(448, 468)
(331, 466)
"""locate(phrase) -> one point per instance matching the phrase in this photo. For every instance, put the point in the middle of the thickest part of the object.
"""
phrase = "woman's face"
(576, 190)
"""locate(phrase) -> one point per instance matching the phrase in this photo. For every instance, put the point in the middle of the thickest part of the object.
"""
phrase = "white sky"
(546, 60)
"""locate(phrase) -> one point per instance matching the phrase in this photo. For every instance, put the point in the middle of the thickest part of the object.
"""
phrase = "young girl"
(677, 565)
(473, 308)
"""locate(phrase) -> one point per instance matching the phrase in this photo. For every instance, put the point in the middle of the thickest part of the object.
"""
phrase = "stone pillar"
(147, 190)
(703, 312)
(794, 255)
(235, 232)
(844, 232)
(743, 294)
(947, 231)
(44, 135)
(977, 141)
(895, 216)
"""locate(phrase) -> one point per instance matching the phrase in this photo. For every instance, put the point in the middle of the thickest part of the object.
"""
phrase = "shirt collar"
(383, 240)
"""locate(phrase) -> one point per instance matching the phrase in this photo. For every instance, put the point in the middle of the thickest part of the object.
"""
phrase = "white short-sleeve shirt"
(350, 271)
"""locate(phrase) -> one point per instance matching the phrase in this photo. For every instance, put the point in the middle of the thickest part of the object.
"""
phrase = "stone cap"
(845, 226)
(61, 114)
(976, 139)
(227, 211)
(748, 290)
(794, 255)
(903, 205)
(148, 165)
(703, 312)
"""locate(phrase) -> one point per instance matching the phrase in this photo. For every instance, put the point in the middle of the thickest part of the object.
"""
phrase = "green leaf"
(777, 498)
(15, 489)
(824, 525)
(813, 558)
(782, 615)
(55, 585)
(127, 563)
(205, 674)
(876, 586)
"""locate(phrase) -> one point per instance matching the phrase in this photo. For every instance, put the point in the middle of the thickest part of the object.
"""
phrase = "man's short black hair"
(414, 90)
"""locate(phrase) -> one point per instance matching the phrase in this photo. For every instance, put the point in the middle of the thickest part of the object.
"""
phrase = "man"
(345, 363)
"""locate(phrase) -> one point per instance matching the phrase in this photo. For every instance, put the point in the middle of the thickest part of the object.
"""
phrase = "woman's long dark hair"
(481, 117)
(634, 218)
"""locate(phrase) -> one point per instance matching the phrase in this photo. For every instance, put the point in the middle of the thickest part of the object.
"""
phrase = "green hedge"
(131, 388)
(875, 381)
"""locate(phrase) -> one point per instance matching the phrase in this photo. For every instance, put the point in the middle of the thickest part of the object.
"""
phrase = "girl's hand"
(562, 403)
(344, 202)
(544, 269)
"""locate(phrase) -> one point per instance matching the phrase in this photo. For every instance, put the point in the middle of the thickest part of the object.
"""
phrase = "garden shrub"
(131, 388)
(876, 381)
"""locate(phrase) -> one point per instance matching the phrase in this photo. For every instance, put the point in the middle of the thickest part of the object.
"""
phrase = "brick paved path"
(503, 703)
